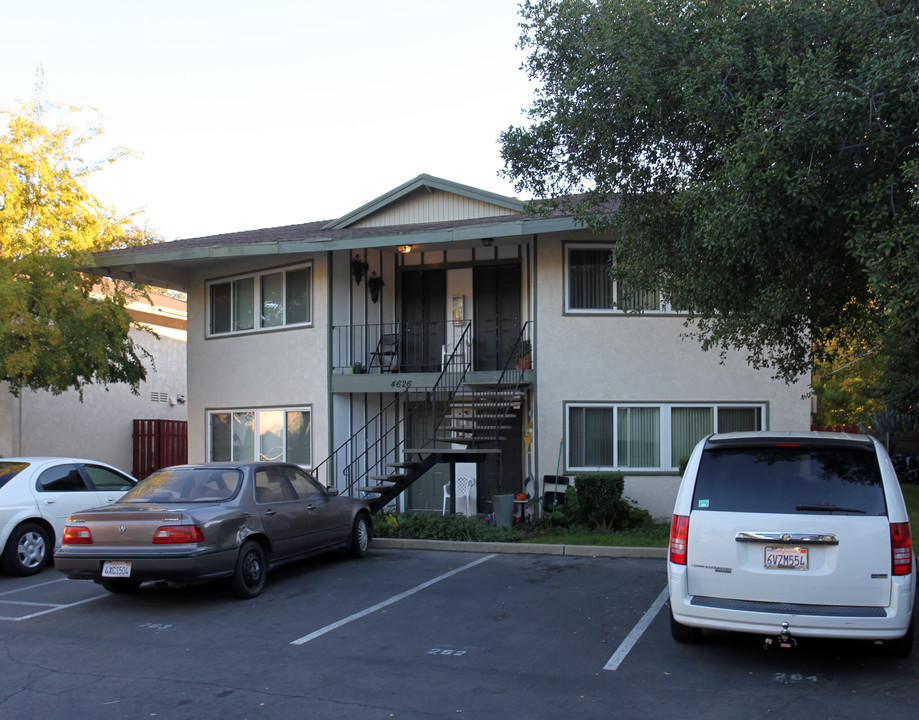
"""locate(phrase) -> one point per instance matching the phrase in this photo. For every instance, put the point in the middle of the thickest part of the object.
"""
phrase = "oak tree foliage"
(763, 157)
(56, 331)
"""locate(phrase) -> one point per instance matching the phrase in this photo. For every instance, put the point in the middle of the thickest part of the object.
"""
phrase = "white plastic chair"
(463, 492)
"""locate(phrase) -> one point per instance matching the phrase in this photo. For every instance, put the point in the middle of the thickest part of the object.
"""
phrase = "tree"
(762, 157)
(56, 333)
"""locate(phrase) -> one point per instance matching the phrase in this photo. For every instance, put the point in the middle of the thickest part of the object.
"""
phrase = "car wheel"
(122, 587)
(901, 647)
(684, 633)
(27, 550)
(249, 577)
(360, 536)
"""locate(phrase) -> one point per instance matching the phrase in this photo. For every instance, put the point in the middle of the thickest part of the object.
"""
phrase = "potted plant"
(374, 283)
(359, 268)
(521, 354)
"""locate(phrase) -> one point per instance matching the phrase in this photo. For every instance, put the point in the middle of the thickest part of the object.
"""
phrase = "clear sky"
(274, 112)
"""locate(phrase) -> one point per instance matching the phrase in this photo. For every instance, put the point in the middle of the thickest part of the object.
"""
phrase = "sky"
(247, 115)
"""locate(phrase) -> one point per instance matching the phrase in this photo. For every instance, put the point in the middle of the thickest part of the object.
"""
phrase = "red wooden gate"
(159, 444)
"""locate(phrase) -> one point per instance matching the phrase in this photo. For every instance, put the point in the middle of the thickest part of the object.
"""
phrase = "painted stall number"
(446, 651)
(792, 678)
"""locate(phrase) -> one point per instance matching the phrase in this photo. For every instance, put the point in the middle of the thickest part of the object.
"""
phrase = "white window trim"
(663, 309)
(668, 463)
(257, 412)
(256, 300)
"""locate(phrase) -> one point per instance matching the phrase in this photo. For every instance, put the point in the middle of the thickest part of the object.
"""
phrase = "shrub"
(599, 498)
(433, 526)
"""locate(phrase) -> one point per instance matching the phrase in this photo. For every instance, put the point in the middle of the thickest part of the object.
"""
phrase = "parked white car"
(791, 535)
(36, 496)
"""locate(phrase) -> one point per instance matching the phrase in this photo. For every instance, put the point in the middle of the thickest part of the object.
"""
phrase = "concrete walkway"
(521, 548)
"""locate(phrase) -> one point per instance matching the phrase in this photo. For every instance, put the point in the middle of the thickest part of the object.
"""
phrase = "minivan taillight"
(679, 532)
(901, 548)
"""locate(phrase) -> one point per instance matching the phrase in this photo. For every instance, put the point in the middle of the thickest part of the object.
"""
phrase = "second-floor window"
(260, 301)
(589, 287)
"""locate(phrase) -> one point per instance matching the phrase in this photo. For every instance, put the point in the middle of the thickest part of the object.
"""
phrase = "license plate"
(786, 558)
(113, 569)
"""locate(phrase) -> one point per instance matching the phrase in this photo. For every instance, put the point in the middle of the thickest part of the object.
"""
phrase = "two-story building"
(440, 330)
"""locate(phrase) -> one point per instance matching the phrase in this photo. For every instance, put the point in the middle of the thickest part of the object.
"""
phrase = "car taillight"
(679, 533)
(178, 534)
(901, 547)
(76, 536)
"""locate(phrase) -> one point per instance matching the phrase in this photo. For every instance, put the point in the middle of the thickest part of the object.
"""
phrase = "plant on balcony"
(359, 268)
(374, 283)
(521, 354)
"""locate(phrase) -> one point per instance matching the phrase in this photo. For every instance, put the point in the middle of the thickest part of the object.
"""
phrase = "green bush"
(599, 498)
(433, 526)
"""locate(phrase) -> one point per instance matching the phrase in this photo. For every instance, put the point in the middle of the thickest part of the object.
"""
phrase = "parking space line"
(637, 631)
(52, 608)
(390, 601)
(32, 587)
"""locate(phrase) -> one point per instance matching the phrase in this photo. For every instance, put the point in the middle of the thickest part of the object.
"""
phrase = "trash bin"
(504, 510)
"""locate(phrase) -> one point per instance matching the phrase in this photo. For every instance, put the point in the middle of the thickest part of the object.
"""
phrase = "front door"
(497, 314)
(424, 320)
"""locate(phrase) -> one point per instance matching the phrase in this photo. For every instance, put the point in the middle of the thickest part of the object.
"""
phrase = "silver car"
(792, 535)
(202, 522)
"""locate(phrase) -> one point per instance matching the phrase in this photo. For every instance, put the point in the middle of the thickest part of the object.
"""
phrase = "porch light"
(405, 249)
(486, 242)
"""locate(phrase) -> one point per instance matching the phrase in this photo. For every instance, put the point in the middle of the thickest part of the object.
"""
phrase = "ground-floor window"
(248, 435)
(609, 436)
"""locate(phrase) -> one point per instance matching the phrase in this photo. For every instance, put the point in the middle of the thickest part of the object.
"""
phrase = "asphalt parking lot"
(408, 633)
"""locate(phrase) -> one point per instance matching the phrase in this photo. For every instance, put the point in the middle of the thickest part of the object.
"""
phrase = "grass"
(657, 535)
(911, 495)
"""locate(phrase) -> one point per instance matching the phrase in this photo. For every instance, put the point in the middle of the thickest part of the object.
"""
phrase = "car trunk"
(125, 525)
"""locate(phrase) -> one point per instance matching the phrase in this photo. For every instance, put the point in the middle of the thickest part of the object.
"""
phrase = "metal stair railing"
(358, 458)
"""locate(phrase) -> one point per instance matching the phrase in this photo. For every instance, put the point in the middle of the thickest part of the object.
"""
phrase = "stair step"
(470, 441)
(404, 464)
(388, 478)
(453, 451)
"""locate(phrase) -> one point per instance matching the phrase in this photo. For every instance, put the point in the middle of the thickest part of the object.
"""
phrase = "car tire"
(121, 587)
(684, 633)
(901, 647)
(27, 550)
(251, 568)
(360, 536)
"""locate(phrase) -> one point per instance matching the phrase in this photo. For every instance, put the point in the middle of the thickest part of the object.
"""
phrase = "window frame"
(609, 248)
(665, 431)
(257, 433)
(234, 300)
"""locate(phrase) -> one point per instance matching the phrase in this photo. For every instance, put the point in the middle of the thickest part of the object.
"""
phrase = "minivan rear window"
(797, 479)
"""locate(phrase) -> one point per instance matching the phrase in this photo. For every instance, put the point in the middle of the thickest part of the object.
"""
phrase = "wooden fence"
(159, 444)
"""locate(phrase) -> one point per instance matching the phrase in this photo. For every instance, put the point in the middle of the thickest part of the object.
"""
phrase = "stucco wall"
(628, 358)
(278, 369)
(100, 427)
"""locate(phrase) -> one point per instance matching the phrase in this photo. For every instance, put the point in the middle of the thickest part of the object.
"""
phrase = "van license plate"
(786, 558)
(113, 569)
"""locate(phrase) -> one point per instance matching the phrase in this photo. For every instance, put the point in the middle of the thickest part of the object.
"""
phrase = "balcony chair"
(386, 356)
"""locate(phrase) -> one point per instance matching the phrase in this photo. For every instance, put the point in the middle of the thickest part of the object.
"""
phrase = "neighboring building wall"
(101, 426)
(618, 358)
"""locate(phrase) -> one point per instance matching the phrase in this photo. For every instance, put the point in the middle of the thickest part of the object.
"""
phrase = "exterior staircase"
(469, 418)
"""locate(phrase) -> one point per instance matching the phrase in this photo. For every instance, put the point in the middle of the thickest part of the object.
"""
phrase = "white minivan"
(792, 534)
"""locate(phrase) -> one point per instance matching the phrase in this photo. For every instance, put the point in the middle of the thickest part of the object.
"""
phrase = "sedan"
(202, 522)
(36, 496)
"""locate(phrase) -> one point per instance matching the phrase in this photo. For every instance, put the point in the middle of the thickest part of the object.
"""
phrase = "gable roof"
(381, 223)
(512, 206)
